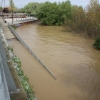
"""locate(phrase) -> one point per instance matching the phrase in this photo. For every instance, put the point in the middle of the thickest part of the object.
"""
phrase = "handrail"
(10, 82)
(4, 93)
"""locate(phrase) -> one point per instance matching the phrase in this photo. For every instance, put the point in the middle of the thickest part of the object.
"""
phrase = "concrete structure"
(8, 75)
(20, 20)
(4, 93)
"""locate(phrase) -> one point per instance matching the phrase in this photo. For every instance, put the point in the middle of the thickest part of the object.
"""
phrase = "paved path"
(6, 30)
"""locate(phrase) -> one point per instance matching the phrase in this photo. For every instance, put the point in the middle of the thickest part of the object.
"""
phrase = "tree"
(5, 10)
(31, 7)
(76, 22)
(87, 21)
(97, 43)
(12, 5)
(53, 13)
(93, 20)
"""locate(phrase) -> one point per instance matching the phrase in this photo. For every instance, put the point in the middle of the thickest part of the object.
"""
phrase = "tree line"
(64, 13)
(82, 20)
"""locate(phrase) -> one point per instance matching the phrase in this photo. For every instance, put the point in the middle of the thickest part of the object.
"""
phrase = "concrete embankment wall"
(15, 96)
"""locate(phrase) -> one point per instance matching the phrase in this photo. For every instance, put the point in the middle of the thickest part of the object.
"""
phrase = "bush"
(97, 43)
(85, 20)
(31, 8)
(53, 13)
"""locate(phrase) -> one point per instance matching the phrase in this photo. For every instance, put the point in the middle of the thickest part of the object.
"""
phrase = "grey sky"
(21, 3)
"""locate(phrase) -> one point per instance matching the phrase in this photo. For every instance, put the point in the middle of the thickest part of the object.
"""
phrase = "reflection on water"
(71, 58)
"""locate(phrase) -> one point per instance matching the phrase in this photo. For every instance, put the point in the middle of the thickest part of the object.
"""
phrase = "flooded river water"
(71, 58)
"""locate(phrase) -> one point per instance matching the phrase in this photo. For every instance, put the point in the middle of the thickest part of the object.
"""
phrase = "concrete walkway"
(6, 30)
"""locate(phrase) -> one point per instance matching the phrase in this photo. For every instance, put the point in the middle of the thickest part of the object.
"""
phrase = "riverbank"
(21, 95)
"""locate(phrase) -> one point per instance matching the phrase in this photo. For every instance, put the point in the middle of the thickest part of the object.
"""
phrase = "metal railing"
(4, 93)
(7, 84)
(10, 82)
(27, 47)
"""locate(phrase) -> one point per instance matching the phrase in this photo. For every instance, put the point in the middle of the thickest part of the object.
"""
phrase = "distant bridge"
(13, 21)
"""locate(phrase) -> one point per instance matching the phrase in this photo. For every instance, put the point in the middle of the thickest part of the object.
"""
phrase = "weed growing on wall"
(23, 78)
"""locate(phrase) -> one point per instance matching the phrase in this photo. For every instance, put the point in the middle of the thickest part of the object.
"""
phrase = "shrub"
(53, 13)
(97, 43)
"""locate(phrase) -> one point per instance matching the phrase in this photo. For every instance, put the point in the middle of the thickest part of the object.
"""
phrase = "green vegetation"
(14, 26)
(78, 19)
(31, 8)
(11, 3)
(74, 17)
(86, 21)
(97, 43)
(11, 6)
(23, 78)
(53, 13)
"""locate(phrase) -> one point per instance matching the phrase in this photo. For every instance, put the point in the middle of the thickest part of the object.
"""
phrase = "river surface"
(70, 57)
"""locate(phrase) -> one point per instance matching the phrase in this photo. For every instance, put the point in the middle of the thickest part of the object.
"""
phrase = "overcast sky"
(21, 3)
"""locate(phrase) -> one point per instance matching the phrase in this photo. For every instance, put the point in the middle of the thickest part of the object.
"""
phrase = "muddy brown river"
(70, 57)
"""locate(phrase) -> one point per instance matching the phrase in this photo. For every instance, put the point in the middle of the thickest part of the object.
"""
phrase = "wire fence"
(27, 47)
